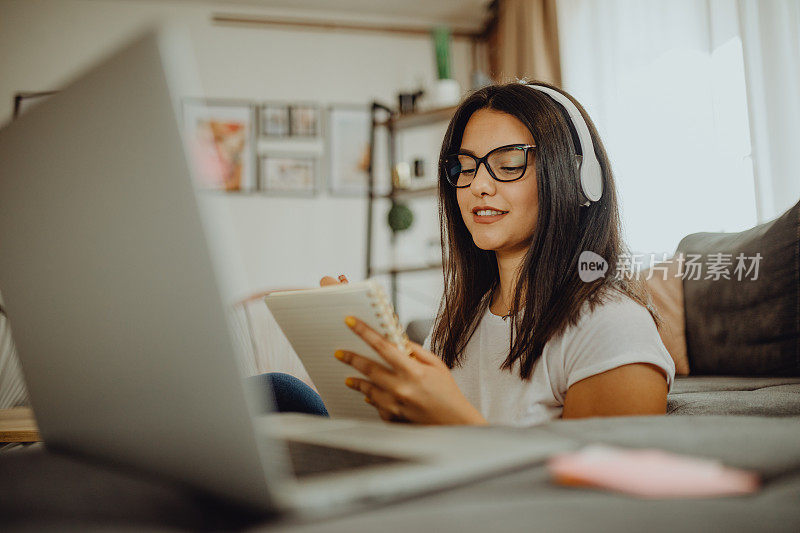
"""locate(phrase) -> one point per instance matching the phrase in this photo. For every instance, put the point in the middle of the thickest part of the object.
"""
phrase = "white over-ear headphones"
(591, 176)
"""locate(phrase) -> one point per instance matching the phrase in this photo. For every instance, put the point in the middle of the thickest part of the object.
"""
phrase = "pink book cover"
(650, 473)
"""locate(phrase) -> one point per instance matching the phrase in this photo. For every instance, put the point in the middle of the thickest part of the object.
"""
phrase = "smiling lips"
(486, 214)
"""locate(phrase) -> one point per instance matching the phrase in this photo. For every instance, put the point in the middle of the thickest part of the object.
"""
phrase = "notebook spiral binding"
(389, 321)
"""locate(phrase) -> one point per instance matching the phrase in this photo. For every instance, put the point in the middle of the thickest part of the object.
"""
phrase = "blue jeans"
(291, 395)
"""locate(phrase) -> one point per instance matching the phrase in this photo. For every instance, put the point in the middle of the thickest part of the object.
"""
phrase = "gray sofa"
(746, 330)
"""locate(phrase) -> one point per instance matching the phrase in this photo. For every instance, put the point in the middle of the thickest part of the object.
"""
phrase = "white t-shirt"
(618, 332)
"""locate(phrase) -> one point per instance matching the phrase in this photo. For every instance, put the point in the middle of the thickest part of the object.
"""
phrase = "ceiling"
(460, 14)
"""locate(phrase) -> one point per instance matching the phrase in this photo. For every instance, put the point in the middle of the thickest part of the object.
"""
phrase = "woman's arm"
(633, 389)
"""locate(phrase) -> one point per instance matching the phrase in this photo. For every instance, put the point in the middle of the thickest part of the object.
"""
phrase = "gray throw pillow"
(747, 326)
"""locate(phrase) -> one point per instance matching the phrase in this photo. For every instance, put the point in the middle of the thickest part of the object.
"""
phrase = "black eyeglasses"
(504, 163)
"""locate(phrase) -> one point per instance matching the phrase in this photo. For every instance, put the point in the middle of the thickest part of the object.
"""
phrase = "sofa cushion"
(683, 385)
(761, 402)
(747, 326)
(663, 283)
(733, 395)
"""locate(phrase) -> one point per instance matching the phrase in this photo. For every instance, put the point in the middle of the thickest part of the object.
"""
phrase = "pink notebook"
(650, 473)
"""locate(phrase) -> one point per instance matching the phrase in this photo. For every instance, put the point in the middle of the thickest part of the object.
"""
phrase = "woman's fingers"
(329, 280)
(378, 398)
(376, 372)
(374, 391)
(421, 354)
(383, 413)
(387, 350)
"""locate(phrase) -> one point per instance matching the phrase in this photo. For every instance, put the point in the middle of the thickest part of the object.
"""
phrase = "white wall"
(283, 241)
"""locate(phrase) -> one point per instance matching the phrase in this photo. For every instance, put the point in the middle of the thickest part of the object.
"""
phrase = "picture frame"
(348, 149)
(288, 174)
(304, 120)
(274, 120)
(220, 135)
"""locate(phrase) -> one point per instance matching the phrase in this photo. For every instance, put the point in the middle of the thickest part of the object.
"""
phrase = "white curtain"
(664, 82)
(770, 31)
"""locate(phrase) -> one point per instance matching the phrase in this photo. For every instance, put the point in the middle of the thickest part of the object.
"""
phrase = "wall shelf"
(406, 269)
(410, 193)
(419, 118)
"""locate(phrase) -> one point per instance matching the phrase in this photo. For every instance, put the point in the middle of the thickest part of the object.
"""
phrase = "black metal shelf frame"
(393, 122)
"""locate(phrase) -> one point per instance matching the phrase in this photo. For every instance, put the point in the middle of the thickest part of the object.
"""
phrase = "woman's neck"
(508, 266)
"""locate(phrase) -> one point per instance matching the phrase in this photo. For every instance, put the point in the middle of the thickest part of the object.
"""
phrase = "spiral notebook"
(313, 322)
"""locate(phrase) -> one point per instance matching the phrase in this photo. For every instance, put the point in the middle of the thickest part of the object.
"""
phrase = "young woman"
(525, 187)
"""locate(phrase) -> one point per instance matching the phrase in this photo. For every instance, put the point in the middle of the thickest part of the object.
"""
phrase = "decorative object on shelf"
(407, 102)
(401, 175)
(348, 149)
(221, 135)
(304, 120)
(274, 120)
(400, 217)
(419, 168)
(288, 174)
(446, 91)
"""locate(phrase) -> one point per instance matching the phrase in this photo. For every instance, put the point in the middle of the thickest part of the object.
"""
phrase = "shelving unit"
(395, 122)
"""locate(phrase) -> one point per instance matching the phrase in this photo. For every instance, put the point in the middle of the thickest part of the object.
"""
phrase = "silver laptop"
(118, 309)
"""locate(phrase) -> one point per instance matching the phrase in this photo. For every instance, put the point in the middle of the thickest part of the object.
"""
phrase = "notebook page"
(313, 322)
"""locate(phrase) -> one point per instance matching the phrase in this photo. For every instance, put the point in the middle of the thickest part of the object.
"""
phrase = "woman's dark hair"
(549, 291)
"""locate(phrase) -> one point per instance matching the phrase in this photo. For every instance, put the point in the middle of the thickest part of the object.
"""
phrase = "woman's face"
(512, 231)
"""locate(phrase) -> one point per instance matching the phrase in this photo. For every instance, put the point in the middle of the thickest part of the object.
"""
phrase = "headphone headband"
(591, 175)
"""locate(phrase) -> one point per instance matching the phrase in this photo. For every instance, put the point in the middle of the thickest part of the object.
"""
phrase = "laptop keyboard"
(312, 459)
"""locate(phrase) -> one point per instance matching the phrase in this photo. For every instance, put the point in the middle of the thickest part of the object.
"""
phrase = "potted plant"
(446, 91)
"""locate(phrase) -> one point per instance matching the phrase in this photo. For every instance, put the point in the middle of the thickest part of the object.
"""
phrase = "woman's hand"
(415, 388)
(327, 280)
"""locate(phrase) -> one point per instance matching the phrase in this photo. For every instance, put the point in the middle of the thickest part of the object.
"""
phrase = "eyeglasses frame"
(485, 161)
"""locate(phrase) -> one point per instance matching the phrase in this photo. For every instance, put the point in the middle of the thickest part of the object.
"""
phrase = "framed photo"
(288, 174)
(348, 150)
(304, 121)
(274, 120)
(221, 138)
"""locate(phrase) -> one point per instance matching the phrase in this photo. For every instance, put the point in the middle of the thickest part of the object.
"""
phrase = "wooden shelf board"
(410, 193)
(18, 425)
(419, 118)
